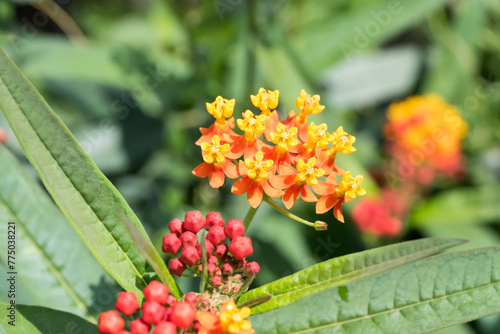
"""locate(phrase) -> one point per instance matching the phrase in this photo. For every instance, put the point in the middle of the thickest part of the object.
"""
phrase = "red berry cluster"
(224, 262)
(160, 311)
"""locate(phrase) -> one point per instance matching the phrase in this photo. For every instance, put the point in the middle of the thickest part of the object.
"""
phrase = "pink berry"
(176, 267)
(241, 247)
(192, 299)
(171, 300)
(165, 327)
(175, 226)
(212, 259)
(171, 244)
(183, 314)
(211, 268)
(157, 292)
(216, 235)
(188, 239)
(152, 312)
(193, 221)
(252, 268)
(189, 256)
(220, 251)
(139, 327)
(110, 322)
(214, 219)
(127, 303)
(234, 228)
(209, 247)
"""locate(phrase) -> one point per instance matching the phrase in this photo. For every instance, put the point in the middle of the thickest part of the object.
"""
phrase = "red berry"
(176, 267)
(214, 219)
(192, 299)
(216, 280)
(234, 228)
(216, 235)
(183, 314)
(252, 268)
(127, 303)
(139, 327)
(193, 221)
(220, 251)
(165, 327)
(110, 322)
(152, 312)
(188, 239)
(227, 268)
(190, 256)
(171, 244)
(156, 292)
(175, 226)
(241, 247)
(209, 247)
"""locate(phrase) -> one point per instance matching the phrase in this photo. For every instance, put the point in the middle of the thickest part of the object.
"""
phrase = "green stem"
(249, 217)
(286, 213)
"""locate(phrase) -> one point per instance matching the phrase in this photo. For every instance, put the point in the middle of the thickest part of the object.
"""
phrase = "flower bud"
(241, 247)
(165, 327)
(183, 314)
(188, 238)
(227, 268)
(209, 248)
(192, 299)
(214, 219)
(220, 251)
(320, 226)
(110, 322)
(216, 280)
(234, 228)
(175, 226)
(152, 312)
(139, 327)
(216, 235)
(193, 221)
(252, 268)
(176, 267)
(171, 244)
(156, 291)
(127, 303)
(189, 256)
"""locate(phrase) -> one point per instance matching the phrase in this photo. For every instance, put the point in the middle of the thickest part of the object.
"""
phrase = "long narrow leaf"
(82, 192)
(343, 270)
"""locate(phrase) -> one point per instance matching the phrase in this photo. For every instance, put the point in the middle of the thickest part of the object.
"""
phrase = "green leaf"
(460, 206)
(420, 297)
(344, 269)
(52, 263)
(87, 198)
(42, 320)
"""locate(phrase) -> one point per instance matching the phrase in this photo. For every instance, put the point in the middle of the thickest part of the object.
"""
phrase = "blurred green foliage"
(132, 87)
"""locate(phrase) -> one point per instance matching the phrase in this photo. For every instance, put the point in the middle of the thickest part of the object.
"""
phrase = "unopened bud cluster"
(226, 261)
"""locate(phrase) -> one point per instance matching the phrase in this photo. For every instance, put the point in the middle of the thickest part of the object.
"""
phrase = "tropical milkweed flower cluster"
(279, 158)
(424, 136)
(213, 310)
(426, 131)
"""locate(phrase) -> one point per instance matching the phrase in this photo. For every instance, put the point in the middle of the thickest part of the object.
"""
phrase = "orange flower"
(231, 320)
(255, 180)
(317, 139)
(334, 195)
(296, 181)
(284, 141)
(215, 164)
(265, 100)
(307, 105)
(342, 143)
(222, 109)
(248, 143)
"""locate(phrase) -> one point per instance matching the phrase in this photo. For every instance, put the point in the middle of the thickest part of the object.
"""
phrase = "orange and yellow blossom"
(248, 144)
(307, 105)
(284, 141)
(215, 164)
(334, 195)
(342, 143)
(265, 100)
(255, 180)
(297, 181)
(317, 140)
(222, 110)
(230, 320)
